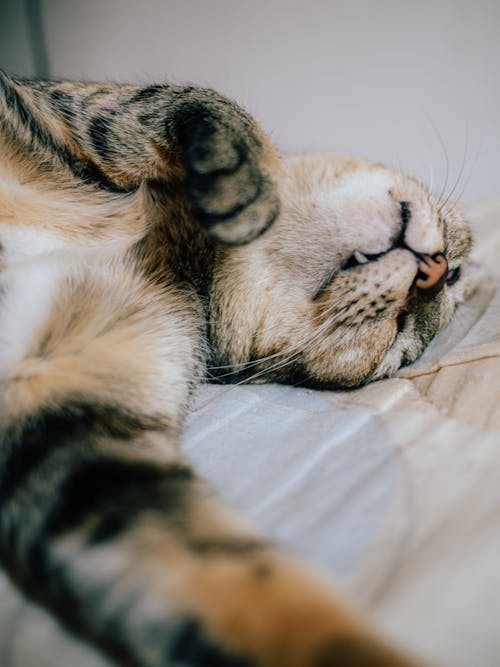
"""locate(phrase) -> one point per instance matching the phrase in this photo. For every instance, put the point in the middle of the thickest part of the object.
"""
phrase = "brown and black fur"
(100, 518)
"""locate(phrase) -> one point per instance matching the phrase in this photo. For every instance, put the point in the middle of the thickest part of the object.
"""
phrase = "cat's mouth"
(433, 271)
(355, 261)
(360, 258)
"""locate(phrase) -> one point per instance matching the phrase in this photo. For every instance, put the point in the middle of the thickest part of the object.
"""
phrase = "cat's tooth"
(360, 258)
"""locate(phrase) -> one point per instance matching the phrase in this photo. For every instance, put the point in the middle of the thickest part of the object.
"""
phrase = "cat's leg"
(135, 555)
(102, 521)
(119, 136)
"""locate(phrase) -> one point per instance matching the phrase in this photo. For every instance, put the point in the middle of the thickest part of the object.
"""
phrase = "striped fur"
(116, 207)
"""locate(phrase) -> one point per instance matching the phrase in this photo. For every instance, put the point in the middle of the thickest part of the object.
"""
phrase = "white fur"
(423, 233)
(19, 243)
(27, 295)
(361, 201)
(34, 263)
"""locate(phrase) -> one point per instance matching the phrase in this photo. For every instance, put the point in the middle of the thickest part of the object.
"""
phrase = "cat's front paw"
(231, 167)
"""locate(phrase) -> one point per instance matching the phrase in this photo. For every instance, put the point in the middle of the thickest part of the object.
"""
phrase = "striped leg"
(135, 554)
(192, 140)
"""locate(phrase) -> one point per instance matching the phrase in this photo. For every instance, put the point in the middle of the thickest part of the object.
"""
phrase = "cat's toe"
(232, 194)
(235, 209)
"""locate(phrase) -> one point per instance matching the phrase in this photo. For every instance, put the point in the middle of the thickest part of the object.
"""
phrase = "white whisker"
(294, 349)
(446, 158)
(461, 171)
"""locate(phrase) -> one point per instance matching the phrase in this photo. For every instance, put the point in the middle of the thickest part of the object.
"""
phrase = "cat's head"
(335, 294)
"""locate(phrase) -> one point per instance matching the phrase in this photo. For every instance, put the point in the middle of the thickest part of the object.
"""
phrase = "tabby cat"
(126, 278)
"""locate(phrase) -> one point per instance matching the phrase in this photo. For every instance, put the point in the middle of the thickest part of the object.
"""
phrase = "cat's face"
(330, 295)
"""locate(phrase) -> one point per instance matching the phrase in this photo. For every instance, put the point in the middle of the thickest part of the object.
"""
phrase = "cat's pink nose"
(432, 272)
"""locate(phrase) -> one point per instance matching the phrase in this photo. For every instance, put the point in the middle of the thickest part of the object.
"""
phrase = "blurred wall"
(15, 48)
(413, 84)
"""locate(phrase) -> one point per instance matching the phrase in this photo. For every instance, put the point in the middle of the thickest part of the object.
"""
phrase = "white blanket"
(393, 489)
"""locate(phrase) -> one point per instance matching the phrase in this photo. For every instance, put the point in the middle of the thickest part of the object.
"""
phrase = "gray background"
(412, 84)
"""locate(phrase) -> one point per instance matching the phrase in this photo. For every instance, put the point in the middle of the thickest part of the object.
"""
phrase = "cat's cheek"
(473, 274)
(351, 356)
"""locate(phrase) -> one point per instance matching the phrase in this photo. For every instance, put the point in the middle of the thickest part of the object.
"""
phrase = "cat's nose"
(417, 233)
(432, 272)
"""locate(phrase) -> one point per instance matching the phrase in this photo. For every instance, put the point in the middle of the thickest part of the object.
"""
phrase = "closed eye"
(452, 276)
